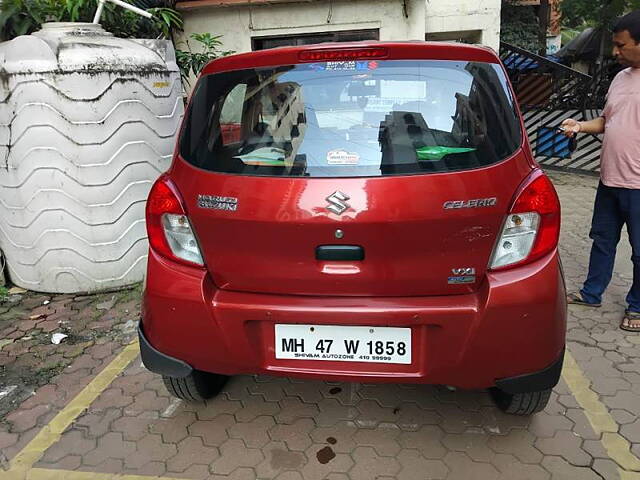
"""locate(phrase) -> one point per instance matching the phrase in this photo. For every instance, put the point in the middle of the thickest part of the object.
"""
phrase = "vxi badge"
(462, 275)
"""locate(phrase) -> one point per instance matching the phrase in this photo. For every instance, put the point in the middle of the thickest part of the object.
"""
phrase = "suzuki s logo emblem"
(338, 203)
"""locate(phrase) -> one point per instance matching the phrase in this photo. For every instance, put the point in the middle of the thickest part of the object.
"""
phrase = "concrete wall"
(459, 16)
(477, 20)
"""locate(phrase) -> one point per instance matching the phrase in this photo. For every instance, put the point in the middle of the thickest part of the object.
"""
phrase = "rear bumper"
(510, 333)
(162, 364)
(158, 362)
(535, 381)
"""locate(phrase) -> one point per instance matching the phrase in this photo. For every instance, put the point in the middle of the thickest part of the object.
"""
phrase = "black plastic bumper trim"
(533, 382)
(158, 362)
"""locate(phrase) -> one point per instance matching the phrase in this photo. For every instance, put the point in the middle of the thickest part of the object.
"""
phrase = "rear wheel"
(520, 403)
(196, 387)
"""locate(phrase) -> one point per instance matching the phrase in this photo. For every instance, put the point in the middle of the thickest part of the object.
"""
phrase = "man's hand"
(571, 127)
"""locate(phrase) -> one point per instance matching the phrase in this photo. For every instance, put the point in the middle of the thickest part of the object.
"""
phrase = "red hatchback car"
(357, 212)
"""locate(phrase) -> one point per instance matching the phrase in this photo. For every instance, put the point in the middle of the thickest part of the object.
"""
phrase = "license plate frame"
(390, 345)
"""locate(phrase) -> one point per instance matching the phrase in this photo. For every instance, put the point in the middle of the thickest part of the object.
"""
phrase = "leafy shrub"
(519, 26)
(22, 17)
(191, 63)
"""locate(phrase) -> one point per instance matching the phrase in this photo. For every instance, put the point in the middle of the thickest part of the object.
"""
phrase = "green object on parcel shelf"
(437, 152)
(266, 156)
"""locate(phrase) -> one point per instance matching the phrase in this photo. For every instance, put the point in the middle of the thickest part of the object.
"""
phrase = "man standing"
(618, 196)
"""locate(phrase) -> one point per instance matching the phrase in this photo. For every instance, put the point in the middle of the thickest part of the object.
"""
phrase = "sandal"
(575, 298)
(628, 318)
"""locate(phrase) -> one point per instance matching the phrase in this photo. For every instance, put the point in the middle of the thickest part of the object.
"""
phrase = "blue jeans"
(613, 208)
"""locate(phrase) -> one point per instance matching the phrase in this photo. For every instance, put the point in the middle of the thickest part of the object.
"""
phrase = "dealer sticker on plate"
(345, 344)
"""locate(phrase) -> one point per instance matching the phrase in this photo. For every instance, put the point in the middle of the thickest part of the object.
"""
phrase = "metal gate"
(549, 92)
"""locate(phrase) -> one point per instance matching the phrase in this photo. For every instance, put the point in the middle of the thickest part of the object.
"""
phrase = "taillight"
(168, 226)
(532, 227)
(342, 54)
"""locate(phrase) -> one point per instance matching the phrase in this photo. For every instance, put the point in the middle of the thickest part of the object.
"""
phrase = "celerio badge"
(215, 202)
(474, 203)
(338, 203)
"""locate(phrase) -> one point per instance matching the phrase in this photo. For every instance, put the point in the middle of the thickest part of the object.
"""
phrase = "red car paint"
(261, 271)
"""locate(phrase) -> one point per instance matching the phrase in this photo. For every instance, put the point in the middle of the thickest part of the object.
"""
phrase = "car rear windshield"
(352, 118)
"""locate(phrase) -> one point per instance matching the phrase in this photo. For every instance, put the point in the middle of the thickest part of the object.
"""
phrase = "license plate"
(343, 344)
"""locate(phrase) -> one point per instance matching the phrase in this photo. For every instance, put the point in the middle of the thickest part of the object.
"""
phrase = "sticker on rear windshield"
(341, 66)
(345, 66)
(342, 157)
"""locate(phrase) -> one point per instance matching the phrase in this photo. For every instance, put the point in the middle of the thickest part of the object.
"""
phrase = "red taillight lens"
(535, 214)
(538, 196)
(168, 227)
(163, 199)
(342, 54)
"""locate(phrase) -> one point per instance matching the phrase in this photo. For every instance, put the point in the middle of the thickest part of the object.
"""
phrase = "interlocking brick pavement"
(38, 378)
(277, 428)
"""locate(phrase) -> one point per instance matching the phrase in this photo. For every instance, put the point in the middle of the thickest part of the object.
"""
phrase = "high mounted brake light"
(168, 227)
(532, 226)
(342, 54)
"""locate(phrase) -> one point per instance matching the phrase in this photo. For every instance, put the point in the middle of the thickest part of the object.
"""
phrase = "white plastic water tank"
(87, 123)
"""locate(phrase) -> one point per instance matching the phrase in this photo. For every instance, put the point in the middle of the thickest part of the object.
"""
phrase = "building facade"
(256, 24)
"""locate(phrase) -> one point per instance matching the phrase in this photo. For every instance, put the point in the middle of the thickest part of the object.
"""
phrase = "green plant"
(191, 63)
(21, 17)
(4, 294)
(594, 13)
(569, 34)
(166, 20)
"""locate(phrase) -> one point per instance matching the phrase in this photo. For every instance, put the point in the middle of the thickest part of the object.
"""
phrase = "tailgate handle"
(339, 252)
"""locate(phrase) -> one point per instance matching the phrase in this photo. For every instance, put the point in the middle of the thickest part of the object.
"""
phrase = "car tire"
(520, 403)
(196, 387)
